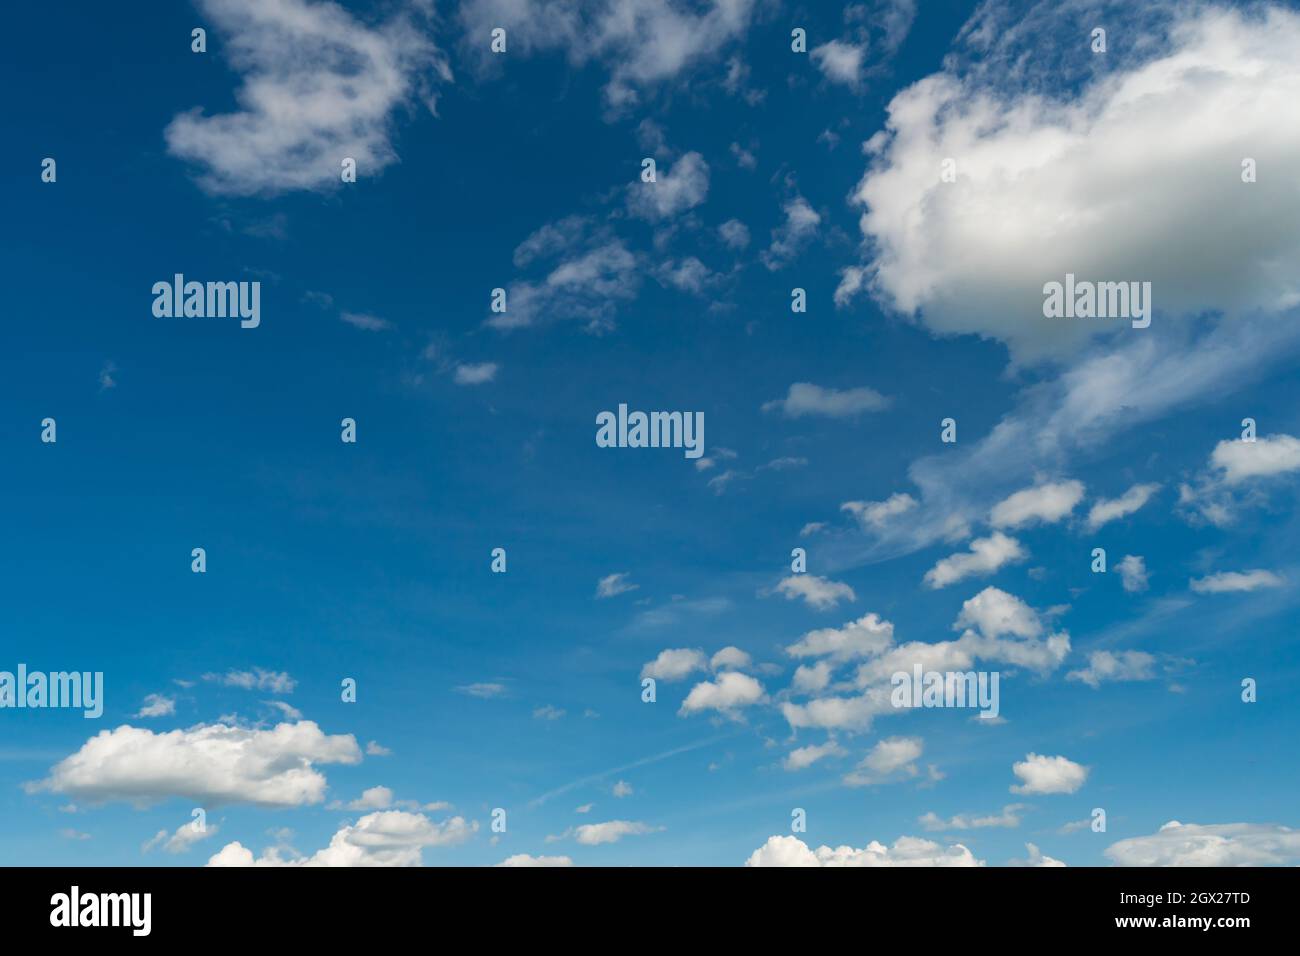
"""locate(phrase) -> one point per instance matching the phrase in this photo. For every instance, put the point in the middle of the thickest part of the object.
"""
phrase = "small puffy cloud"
(677, 189)
(548, 712)
(890, 759)
(376, 749)
(675, 664)
(804, 398)
(800, 225)
(1047, 503)
(1263, 458)
(1111, 666)
(612, 585)
(994, 613)
(1133, 573)
(1048, 775)
(867, 636)
(1222, 844)
(1008, 817)
(186, 835)
(1036, 858)
(594, 834)
(906, 851)
(840, 62)
(874, 514)
(726, 693)
(385, 838)
(730, 658)
(375, 798)
(985, 556)
(803, 757)
(622, 789)
(1228, 581)
(210, 763)
(819, 593)
(523, 859)
(734, 234)
(156, 705)
(479, 374)
(1111, 509)
(812, 678)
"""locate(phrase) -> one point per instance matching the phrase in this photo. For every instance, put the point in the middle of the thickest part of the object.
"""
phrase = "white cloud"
(484, 690)
(641, 44)
(1133, 573)
(1047, 503)
(985, 556)
(675, 664)
(317, 85)
(819, 593)
(1263, 458)
(375, 798)
(1048, 775)
(186, 835)
(812, 678)
(683, 186)
(1221, 844)
(874, 514)
(548, 712)
(890, 758)
(867, 636)
(803, 757)
(612, 585)
(256, 679)
(210, 763)
(805, 399)
(730, 658)
(1219, 79)
(156, 705)
(1036, 858)
(726, 693)
(365, 321)
(1009, 816)
(788, 240)
(1227, 581)
(994, 612)
(734, 234)
(594, 834)
(1112, 666)
(840, 62)
(523, 859)
(906, 851)
(385, 838)
(1110, 509)
(476, 374)
(622, 789)
(376, 749)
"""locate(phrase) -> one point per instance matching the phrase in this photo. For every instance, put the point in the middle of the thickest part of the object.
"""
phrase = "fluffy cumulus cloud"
(611, 831)
(316, 86)
(728, 693)
(729, 658)
(184, 837)
(1036, 858)
(675, 663)
(210, 763)
(867, 636)
(803, 757)
(805, 399)
(1265, 457)
(840, 62)
(890, 759)
(984, 556)
(386, 838)
(1056, 172)
(523, 859)
(681, 187)
(875, 514)
(1046, 503)
(1132, 570)
(906, 851)
(1044, 775)
(1223, 844)
(1115, 666)
(1108, 510)
(819, 593)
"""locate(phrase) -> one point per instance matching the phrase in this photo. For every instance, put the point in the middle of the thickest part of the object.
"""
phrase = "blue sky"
(523, 690)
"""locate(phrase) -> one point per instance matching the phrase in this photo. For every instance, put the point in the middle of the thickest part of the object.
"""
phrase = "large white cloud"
(210, 763)
(386, 838)
(906, 851)
(317, 86)
(1051, 185)
(1223, 844)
